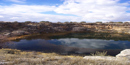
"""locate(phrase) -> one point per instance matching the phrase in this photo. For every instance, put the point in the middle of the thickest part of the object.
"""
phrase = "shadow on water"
(74, 43)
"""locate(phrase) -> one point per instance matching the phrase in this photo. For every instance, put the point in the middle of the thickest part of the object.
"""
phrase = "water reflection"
(71, 45)
(94, 43)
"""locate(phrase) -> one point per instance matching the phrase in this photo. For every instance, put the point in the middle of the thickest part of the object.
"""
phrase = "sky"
(65, 10)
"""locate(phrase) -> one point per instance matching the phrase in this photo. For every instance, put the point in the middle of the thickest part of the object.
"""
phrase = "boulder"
(106, 58)
(58, 29)
(78, 29)
(1, 37)
(124, 54)
(18, 32)
(100, 58)
(7, 34)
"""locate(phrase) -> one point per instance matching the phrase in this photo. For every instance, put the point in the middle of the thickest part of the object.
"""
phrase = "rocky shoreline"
(12, 29)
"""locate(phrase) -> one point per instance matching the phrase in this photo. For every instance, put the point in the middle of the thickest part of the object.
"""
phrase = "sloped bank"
(12, 29)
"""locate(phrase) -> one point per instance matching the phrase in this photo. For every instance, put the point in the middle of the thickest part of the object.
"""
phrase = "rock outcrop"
(124, 54)
(17, 28)
(100, 58)
(19, 32)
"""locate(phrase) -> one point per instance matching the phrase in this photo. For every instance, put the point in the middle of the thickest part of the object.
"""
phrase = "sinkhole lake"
(73, 43)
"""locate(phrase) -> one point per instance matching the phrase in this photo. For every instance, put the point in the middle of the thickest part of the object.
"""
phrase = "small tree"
(59, 22)
(42, 21)
(15, 21)
(99, 22)
(120, 22)
(28, 21)
(83, 22)
(66, 22)
(111, 22)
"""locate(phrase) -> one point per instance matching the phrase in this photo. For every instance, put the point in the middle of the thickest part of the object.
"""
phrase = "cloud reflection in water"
(92, 43)
(71, 45)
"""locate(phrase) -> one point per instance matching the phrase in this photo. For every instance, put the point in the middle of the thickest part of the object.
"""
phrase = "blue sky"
(65, 10)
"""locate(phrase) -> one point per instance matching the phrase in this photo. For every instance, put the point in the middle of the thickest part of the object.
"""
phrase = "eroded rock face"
(124, 54)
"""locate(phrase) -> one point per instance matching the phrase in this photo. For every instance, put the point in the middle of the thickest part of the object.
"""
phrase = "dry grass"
(17, 57)
(104, 53)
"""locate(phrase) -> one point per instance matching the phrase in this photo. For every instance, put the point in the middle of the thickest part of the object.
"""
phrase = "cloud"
(96, 10)
(40, 17)
(25, 9)
(1, 16)
(17, 1)
(14, 18)
(32, 13)
(84, 10)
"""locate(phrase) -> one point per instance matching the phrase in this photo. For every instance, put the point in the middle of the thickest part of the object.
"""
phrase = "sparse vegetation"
(104, 53)
(99, 22)
(28, 21)
(83, 22)
(44, 22)
(120, 22)
(17, 57)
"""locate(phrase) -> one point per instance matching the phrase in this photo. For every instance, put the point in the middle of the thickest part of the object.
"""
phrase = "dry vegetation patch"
(18, 57)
